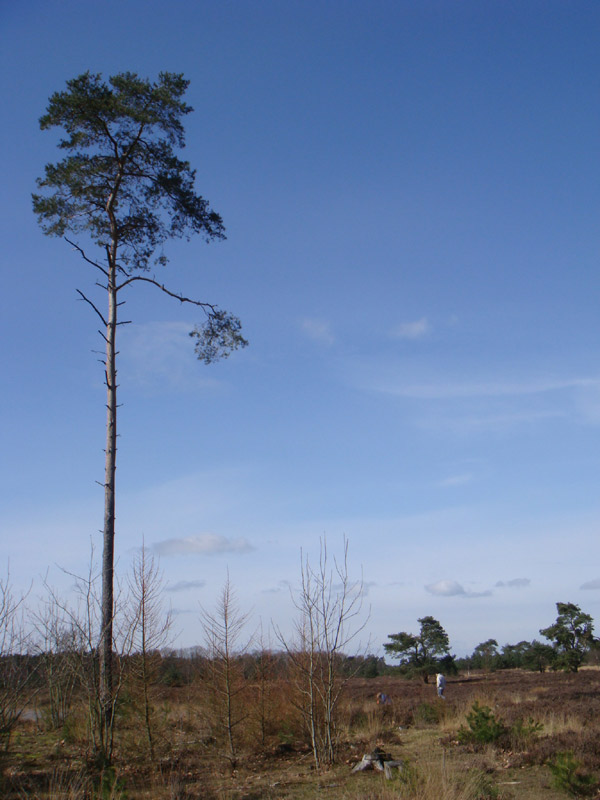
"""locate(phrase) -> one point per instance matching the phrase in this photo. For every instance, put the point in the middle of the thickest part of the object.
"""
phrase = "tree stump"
(379, 761)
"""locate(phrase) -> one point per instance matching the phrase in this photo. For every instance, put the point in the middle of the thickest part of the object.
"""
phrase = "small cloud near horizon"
(445, 589)
(515, 583)
(448, 588)
(207, 544)
(367, 586)
(357, 589)
(181, 586)
(318, 330)
(283, 584)
(413, 330)
(595, 584)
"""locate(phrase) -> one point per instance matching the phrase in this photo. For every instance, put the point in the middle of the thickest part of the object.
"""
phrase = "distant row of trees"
(428, 652)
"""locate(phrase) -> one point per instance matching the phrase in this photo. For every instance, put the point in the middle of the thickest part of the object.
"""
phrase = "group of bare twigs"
(50, 668)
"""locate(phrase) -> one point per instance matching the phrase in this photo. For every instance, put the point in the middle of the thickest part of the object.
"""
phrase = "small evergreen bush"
(523, 733)
(483, 728)
(428, 713)
(569, 776)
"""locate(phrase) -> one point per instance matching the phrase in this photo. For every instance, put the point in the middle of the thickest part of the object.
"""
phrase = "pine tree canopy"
(121, 182)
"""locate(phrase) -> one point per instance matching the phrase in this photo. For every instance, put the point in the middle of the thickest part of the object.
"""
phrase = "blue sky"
(410, 192)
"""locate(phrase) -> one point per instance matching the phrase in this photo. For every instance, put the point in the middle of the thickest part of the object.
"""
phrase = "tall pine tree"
(123, 188)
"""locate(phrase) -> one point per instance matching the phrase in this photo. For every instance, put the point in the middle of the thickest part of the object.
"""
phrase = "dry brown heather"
(275, 759)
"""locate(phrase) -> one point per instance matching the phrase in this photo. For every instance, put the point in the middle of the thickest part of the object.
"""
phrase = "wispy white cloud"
(182, 586)
(471, 421)
(203, 544)
(160, 355)
(497, 400)
(457, 480)
(588, 403)
(412, 330)
(595, 584)
(514, 583)
(318, 330)
(358, 589)
(281, 586)
(447, 588)
(440, 390)
(354, 590)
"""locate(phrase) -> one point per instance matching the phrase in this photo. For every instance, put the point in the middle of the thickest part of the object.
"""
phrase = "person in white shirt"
(441, 685)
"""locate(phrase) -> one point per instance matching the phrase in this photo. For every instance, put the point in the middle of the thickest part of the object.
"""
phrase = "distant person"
(440, 682)
(383, 699)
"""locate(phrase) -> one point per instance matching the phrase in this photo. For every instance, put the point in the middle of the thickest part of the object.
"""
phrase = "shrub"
(569, 776)
(483, 728)
(429, 713)
(523, 733)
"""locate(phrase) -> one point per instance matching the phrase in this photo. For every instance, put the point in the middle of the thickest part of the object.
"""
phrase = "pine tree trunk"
(106, 641)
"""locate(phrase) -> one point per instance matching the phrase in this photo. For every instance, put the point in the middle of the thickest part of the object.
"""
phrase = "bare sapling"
(264, 670)
(223, 631)
(16, 667)
(56, 649)
(329, 606)
(151, 626)
(83, 618)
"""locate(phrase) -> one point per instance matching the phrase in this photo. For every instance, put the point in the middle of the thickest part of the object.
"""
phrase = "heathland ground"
(505, 734)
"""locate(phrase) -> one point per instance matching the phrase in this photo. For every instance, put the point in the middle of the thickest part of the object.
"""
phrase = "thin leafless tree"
(16, 667)
(223, 631)
(151, 626)
(83, 618)
(56, 648)
(330, 618)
